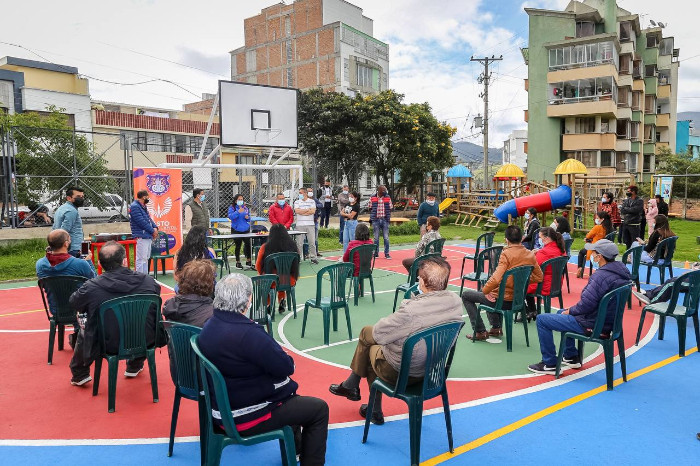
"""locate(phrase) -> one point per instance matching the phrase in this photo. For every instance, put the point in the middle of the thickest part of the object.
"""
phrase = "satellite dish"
(652, 22)
(662, 25)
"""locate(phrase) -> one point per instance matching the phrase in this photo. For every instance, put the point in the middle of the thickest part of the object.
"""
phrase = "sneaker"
(282, 307)
(318, 254)
(640, 295)
(542, 368)
(387, 256)
(314, 261)
(80, 382)
(239, 266)
(132, 373)
(573, 362)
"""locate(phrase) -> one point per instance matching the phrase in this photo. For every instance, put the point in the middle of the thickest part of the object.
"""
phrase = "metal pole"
(484, 78)
(685, 201)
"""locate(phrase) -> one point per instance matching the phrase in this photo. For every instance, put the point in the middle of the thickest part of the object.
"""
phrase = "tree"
(680, 164)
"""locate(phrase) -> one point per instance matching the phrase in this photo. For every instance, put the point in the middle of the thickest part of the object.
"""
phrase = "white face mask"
(345, 191)
(310, 194)
(603, 200)
(595, 261)
(431, 202)
(527, 215)
(598, 221)
(553, 225)
(351, 199)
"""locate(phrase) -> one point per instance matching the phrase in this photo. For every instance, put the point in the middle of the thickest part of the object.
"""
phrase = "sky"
(164, 53)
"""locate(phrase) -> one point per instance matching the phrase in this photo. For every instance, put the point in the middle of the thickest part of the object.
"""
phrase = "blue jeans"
(349, 233)
(546, 324)
(381, 224)
(341, 230)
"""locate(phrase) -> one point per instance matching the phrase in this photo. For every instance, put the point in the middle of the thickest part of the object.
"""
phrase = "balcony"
(599, 71)
(663, 119)
(623, 145)
(650, 85)
(638, 84)
(527, 85)
(604, 107)
(649, 148)
(624, 113)
(588, 141)
(663, 91)
(635, 147)
(649, 119)
(636, 116)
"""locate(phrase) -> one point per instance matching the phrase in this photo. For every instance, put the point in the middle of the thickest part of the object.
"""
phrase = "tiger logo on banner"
(165, 188)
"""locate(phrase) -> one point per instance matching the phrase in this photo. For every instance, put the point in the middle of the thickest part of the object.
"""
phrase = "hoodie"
(189, 309)
(64, 264)
(651, 212)
(608, 277)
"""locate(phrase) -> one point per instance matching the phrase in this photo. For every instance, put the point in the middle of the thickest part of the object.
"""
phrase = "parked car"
(113, 209)
(400, 204)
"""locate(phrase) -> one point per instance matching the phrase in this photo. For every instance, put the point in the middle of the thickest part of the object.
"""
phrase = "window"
(368, 180)
(647, 167)
(650, 104)
(578, 56)
(634, 130)
(623, 129)
(195, 144)
(622, 161)
(607, 158)
(250, 65)
(637, 66)
(287, 26)
(246, 160)
(180, 143)
(664, 77)
(584, 125)
(588, 158)
(625, 31)
(649, 133)
(625, 64)
(649, 71)
(127, 138)
(141, 140)
(154, 142)
(583, 90)
(624, 96)
(631, 163)
(652, 40)
(666, 47)
(367, 77)
(604, 125)
(636, 100)
(585, 28)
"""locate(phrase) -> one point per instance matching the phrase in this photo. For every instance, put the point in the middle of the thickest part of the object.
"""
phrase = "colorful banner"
(164, 186)
(663, 187)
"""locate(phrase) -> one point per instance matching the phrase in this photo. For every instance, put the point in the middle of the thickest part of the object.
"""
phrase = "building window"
(650, 71)
(624, 95)
(154, 142)
(592, 89)
(585, 55)
(586, 157)
(625, 64)
(585, 28)
(636, 100)
(141, 140)
(288, 49)
(664, 77)
(584, 125)
(652, 40)
(246, 160)
(623, 129)
(367, 77)
(666, 47)
(650, 104)
(631, 163)
(180, 143)
(287, 26)
(649, 133)
(250, 64)
(647, 167)
(625, 31)
(634, 130)
(607, 158)
(127, 138)
(637, 66)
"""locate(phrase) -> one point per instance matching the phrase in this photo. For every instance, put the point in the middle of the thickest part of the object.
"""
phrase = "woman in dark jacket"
(662, 230)
(531, 226)
(661, 205)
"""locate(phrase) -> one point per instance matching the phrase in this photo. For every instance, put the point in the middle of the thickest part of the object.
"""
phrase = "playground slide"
(446, 203)
(555, 199)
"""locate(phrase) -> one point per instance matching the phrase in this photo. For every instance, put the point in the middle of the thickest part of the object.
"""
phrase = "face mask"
(310, 194)
(281, 202)
(78, 201)
(527, 215)
(553, 226)
(345, 191)
(603, 200)
(595, 261)
(146, 201)
(204, 196)
(239, 203)
(351, 199)
(598, 221)
(430, 202)
(301, 197)
(629, 194)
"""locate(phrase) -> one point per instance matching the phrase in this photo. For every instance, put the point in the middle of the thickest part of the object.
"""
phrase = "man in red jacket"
(281, 212)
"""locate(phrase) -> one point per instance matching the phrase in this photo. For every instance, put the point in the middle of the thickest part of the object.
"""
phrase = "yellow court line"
(545, 412)
(21, 312)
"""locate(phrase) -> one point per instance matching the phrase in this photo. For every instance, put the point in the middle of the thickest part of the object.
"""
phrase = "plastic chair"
(620, 295)
(280, 264)
(664, 250)
(262, 310)
(567, 246)
(367, 259)
(521, 279)
(690, 283)
(480, 275)
(160, 243)
(218, 264)
(131, 313)
(185, 375)
(487, 240)
(219, 251)
(412, 276)
(535, 237)
(435, 246)
(558, 265)
(440, 348)
(214, 387)
(337, 275)
(55, 292)
(636, 254)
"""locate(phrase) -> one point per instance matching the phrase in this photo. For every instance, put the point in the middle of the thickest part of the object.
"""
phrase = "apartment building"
(515, 148)
(600, 88)
(687, 138)
(312, 43)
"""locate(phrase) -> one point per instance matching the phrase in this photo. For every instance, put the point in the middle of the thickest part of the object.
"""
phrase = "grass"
(18, 260)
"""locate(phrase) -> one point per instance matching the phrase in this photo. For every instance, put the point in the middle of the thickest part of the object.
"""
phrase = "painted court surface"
(500, 411)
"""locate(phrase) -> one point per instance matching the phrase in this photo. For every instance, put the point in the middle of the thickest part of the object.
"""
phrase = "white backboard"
(257, 115)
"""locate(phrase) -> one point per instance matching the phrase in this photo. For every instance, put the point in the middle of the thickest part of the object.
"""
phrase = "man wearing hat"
(428, 208)
(581, 317)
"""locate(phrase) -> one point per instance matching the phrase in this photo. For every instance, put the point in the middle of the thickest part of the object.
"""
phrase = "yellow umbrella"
(509, 170)
(571, 167)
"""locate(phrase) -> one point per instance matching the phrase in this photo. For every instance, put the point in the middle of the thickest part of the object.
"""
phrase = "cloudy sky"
(123, 46)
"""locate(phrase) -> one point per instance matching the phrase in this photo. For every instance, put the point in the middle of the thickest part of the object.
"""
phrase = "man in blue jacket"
(581, 317)
(143, 228)
(67, 218)
(428, 208)
(257, 373)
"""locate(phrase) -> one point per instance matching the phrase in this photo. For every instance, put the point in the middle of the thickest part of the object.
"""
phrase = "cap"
(605, 247)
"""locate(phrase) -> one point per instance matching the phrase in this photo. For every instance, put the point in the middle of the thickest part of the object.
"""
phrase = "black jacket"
(109, 285)
(632, 211)
(663, 207)
(531, 228)
(189, 309)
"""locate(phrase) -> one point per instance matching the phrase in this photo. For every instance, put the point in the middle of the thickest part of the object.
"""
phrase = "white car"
(113, 209)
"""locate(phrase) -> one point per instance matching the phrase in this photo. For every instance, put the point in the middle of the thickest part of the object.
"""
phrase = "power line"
(484, 78)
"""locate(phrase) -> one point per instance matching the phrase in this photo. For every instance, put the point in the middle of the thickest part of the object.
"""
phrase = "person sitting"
(278, 240)
(553, 246)
(116, 281)
(562, 226)
(239, 214)
(361, 238)
(602, 227)
(581, 317)
(281, 212)
(428, 208)
(257, 373)
(513, 255)
(432, 233)
(661, 205)
(661, 231)
(193, 247)
(378, 352)
(609, 206)
(531, 225)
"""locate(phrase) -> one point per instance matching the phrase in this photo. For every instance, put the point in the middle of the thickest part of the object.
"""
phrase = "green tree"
(680, 164)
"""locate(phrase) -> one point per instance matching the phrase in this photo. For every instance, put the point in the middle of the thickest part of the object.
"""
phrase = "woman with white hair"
(257, 373)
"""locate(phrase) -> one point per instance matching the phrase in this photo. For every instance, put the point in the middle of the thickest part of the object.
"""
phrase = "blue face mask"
(239, 203)
(281, 202)
(301, 197)
(204, 196)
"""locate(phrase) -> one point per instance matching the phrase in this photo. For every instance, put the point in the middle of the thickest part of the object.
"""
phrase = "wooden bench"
(393, 221)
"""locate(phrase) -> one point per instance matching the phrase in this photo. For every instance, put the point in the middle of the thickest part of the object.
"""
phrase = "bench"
(393, 221)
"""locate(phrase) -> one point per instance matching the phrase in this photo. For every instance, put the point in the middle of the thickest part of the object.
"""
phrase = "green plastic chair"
(480, 275)
(280, 264)
(185, 376)
(262, 309)
(55, 293)
(367, 259)
(411, 292)
(131, 313)
(487, 240)
(521, 279)
(219, 251)
(214, 387)
(440, 348)
(664, 250)
(435, 246)
(160, 243)
(620, 296)
(412, 276)
(567, 246)
(690, 283)
(557, 265)
(636, 254)
(338, 275)
(218, 264)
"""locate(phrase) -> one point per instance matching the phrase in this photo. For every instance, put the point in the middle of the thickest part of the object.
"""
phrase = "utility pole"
(484, 79)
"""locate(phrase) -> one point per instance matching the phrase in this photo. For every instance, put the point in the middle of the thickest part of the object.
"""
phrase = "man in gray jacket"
(378, 352)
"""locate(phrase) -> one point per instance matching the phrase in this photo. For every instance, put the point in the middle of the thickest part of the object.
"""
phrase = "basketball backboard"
(257, 115)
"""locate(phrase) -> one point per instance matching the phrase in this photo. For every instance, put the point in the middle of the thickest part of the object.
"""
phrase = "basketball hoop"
(263, 135)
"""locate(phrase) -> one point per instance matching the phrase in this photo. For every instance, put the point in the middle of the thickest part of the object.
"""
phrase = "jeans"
(326, 214)
(310, 231)
(143, 252)
(342, 228)
(546, 324)
(470, 299)
(630, 234)
(349, 233)
(383, 225)
(80, 365)
(646, 258)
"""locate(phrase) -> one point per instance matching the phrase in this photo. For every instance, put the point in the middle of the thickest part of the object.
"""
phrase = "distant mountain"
(469, 152)
(695, 116)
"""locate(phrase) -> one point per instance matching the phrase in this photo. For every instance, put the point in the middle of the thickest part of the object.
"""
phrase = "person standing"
(326, 199)
(632, 211)
(661, 205)
(428, 208)
(67, 218)
(349, 214)
(608, 205)
(343, 200)
(578, 211)
(143, 228)
(319, 209)
(532, 224)
(239, 214)
(380, 215)
(305, 209)
(651, 212)
(281, 212)
(196, 212)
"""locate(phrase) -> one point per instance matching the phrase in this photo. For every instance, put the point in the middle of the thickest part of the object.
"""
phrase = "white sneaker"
(127, 373)
(641, 296)
(81, 382)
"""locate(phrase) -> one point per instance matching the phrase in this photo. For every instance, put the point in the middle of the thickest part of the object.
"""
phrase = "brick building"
(311, 43)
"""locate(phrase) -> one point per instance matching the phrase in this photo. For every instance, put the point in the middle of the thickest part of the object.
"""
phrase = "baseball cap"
(604, 247)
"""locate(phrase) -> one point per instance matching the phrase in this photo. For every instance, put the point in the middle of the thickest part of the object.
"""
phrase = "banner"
(164, 186)
(663, 187)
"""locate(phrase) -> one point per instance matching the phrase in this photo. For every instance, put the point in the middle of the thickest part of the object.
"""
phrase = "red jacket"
(283, 215)
(346, 256)
(549, 251)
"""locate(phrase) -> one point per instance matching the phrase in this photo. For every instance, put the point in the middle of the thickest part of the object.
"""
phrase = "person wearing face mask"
(581, 317)
(532, 224)
(432, 234)
(380, 215)
(239, 214)
(650, 213)
(661, 231)
(196, 211)
(281, 212)
(317, 217)
(343, 201)
(350, 213)
(608, 205)
(428, 208)
(603, 226)
(143, 228)
(257, 372)
(632, 211)
(305, 208)
(67, 218)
